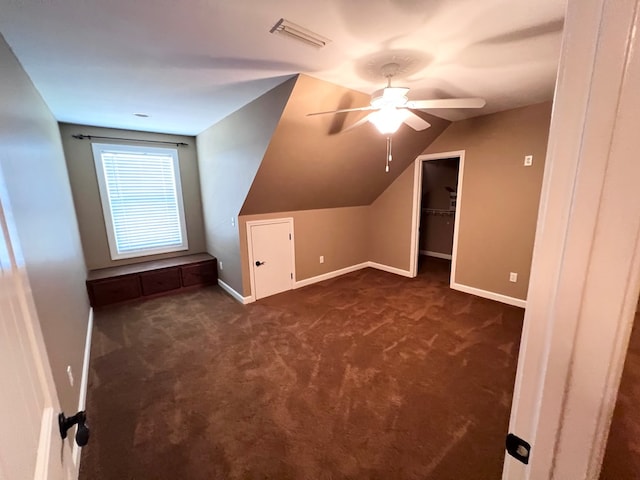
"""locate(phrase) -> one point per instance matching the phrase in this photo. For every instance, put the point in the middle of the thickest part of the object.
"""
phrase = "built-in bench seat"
(108, 286)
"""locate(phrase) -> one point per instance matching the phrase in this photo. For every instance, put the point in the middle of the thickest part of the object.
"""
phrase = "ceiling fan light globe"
(388, 120)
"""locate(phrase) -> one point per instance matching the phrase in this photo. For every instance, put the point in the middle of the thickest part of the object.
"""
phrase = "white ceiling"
(190, 63)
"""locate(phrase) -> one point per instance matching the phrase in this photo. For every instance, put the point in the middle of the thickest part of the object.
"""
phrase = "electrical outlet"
(528, 160)
(321, 258)
(233, 221)
(220, 264)
(513, 277)
(70, 375)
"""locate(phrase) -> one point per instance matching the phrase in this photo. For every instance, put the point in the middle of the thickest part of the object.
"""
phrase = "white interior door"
(272, 257)
(30, 443)
(585, 275)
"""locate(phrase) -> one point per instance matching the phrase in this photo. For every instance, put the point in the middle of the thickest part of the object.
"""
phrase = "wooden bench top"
(133, 268)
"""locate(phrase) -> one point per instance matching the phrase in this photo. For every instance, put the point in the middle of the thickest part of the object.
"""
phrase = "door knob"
(80, 419)
(258, 263)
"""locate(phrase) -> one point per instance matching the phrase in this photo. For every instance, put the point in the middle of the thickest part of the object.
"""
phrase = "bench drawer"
(114, 290)
(160, 281)
(199, 274)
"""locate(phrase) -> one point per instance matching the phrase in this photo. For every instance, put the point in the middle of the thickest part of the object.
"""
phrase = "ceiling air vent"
(301, 34)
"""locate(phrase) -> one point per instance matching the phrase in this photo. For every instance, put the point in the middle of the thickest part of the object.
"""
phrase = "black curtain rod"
(80, 136)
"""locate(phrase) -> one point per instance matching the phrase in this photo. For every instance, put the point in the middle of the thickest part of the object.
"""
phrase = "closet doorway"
(436, 205)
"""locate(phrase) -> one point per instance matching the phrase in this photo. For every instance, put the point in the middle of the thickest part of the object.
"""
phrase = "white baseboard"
(429, 253)
(48, 425)
(386, 268)
(84, 383)
(227, 288)
(322, 277)
(498, 297)
(329, 275)
(352, 268)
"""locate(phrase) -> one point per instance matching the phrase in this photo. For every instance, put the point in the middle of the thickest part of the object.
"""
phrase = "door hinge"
(518, 448)
(292, 276)
(289, 236)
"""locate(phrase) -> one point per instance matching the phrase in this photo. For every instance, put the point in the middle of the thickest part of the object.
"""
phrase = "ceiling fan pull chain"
(389, 158)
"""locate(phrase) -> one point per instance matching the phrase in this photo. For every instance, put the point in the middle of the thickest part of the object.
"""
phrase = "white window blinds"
(141, 199)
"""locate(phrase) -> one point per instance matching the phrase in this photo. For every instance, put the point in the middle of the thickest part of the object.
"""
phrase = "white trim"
(329, 275)
(352, 268)
(252, 223)
(44, 444)
(456, 221)
(429, 253)
(387, 268)
(84, 383)
(82, 402)
(498, 297)
(227, 288)
(416, 209)
(98, 149)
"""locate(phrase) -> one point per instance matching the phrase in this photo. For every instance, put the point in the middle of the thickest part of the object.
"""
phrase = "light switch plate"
(70, 375)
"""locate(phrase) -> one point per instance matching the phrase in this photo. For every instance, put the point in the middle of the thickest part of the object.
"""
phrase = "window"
(141, 199)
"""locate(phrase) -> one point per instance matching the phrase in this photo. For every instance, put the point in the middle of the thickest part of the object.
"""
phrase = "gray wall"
(35, 174)
(229, 154)
(82, 175)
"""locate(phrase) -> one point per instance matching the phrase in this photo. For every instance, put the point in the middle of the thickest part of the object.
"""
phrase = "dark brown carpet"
(366, 376)
(622, 457)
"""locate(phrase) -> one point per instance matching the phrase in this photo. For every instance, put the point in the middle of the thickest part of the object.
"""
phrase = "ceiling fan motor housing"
(389, 97)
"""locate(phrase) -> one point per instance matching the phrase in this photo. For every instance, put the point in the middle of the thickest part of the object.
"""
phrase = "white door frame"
(252, 223)
(585, 276)
(414, 250)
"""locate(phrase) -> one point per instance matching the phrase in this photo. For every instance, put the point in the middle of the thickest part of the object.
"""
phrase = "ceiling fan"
(390, 108)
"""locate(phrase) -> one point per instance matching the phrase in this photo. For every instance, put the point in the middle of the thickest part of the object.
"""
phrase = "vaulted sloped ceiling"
(314, 162)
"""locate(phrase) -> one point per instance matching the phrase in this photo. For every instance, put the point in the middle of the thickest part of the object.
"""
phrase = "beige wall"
(269, 157)
(35, 174)
(312, 163)
(390, 223)
(86, 196)
(436, 233)
(500, 196)
(338, 234)
(499, 203)
(229, 154)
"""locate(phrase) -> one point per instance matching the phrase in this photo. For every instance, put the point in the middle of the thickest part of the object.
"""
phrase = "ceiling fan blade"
(415, 122)
(344, 110)
(447, 103)
(360, 122)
